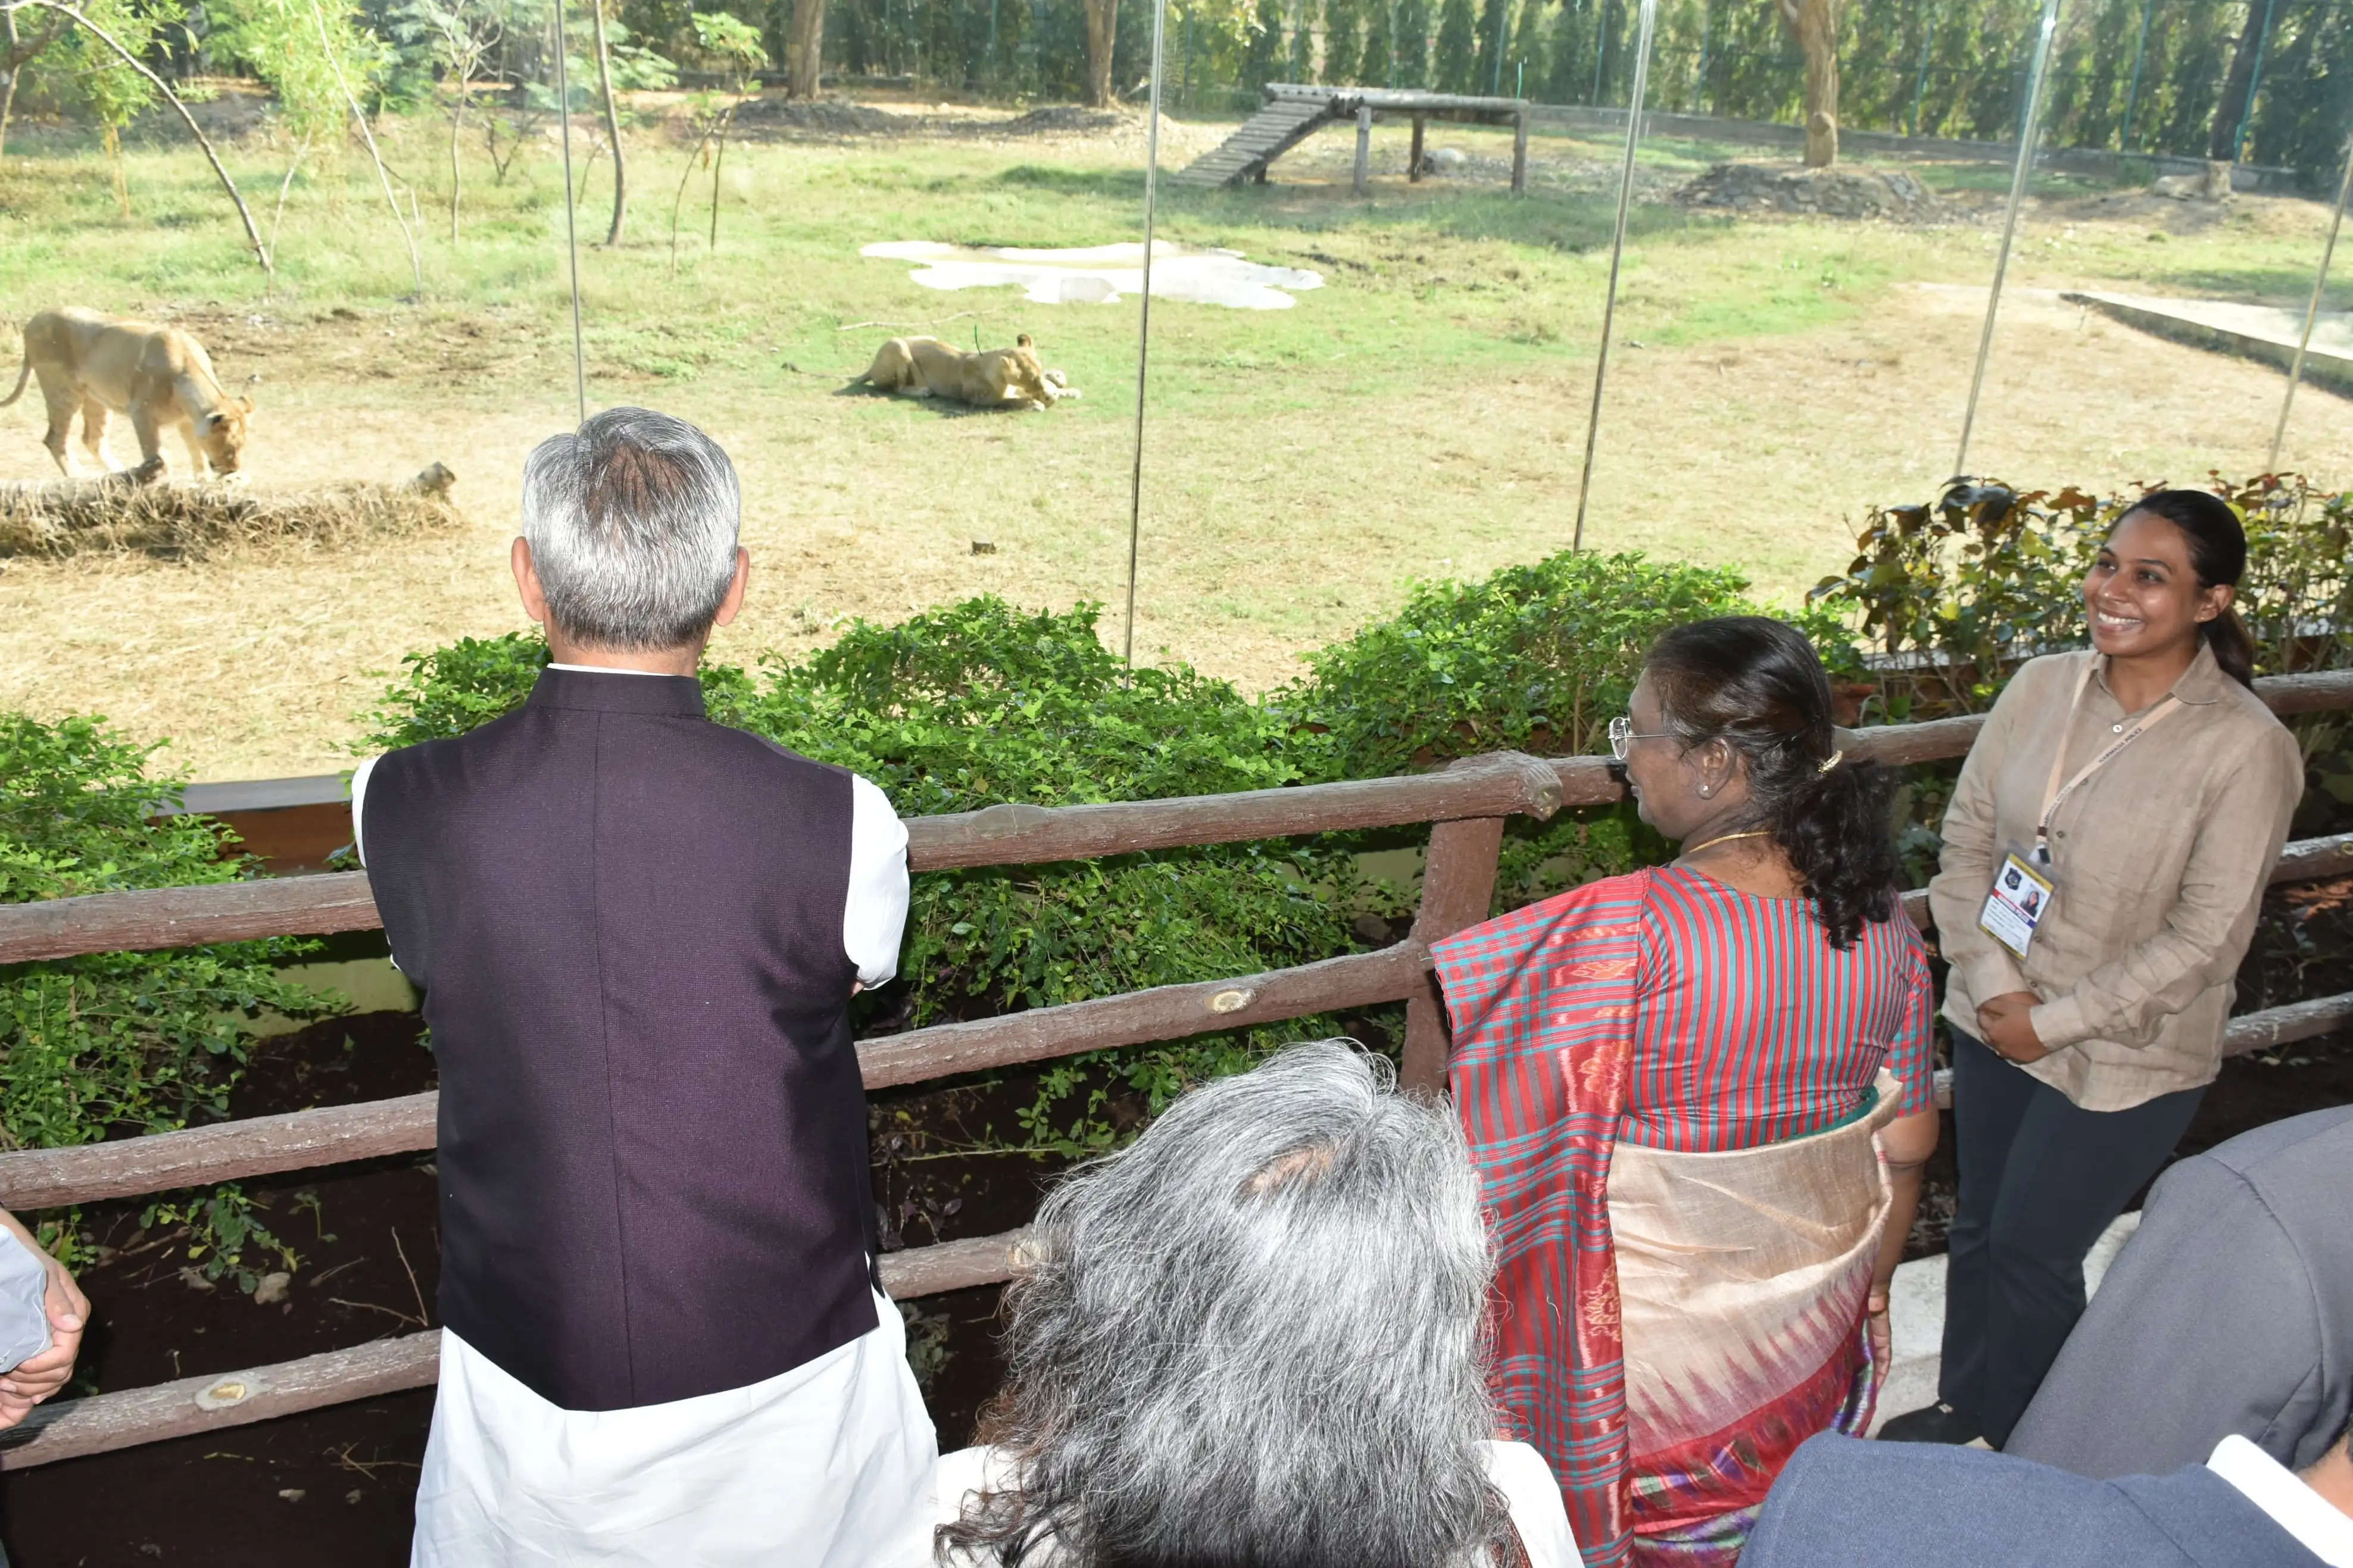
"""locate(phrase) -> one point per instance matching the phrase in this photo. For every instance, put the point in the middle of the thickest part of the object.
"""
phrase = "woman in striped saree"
(1699, 1097)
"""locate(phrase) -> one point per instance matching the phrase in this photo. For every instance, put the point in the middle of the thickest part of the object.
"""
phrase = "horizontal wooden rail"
(297, 1140)
(263, 1145)
(71, 1429)
(1499, 784)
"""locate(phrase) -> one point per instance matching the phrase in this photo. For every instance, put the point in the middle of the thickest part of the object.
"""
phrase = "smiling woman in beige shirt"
(2146, 781)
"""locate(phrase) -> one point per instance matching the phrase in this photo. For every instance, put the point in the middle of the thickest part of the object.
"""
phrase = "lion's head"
(221, 433)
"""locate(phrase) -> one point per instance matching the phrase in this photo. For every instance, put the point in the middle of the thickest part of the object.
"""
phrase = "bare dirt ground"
(1755, 451)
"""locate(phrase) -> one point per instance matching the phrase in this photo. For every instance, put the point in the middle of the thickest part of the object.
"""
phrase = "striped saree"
(1670, 1326)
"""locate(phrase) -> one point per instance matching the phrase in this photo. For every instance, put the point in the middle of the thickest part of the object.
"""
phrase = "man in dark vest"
(637, 933)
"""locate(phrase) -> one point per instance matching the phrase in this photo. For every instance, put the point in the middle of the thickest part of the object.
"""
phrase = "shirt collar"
(2293, 1506)
(2201, 683)
(602, 669)
(673, 695)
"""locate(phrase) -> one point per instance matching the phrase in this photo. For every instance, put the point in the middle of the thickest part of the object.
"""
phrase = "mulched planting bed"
(338, 1484)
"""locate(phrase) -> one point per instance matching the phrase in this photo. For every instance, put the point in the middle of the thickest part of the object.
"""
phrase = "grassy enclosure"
(1421, 414)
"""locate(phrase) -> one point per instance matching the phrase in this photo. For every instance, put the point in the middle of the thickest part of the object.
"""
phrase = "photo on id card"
(2021, 897)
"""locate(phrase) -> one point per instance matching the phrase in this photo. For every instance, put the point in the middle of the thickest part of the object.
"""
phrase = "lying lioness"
(159, 376)
(927, 367)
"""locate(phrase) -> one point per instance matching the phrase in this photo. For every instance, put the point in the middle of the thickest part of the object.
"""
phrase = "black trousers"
(2040, 1179)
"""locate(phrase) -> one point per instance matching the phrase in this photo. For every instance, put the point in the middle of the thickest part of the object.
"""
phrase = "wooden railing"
(1467, 805)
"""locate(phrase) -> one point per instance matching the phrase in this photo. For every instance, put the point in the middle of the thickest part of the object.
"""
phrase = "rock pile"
(1829, 193)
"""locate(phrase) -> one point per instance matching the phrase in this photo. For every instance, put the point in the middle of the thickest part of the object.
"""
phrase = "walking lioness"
(159, 376)
(927, 367)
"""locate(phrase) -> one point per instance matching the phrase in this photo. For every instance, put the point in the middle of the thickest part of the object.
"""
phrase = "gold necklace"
(1727, 839)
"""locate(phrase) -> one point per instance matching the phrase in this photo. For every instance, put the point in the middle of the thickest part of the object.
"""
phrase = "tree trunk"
(612, 130)
(806, 67)
(1102, 24)
(457, 119)
(1814, 25)
(2223, 141)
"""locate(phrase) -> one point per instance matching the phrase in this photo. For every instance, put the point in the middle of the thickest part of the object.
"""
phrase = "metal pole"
(1143, 323)
(2312, 309)
(1699, 80)
(2009, 225)
(1600, 46)
(2132, 98)
(1503, 30)
(1650, 17)
(571, 228)
(2255, 84)
(1920, 82)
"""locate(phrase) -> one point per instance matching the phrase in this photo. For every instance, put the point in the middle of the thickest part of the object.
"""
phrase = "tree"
(83, 21)
(1493, 41)
(1265, 46)
(1814, 24)
(1303, 43)
(735, 45)
(1565, 81)
(612, 125)
(1413, 42)
(459, 35)
(2230, 114)
(1527, 57)
(1344, 44)
(101, 66)
(1457, 65)
(280, 43)
(1102, 26)
(805, 56)
(1378, 65)
(19, 47)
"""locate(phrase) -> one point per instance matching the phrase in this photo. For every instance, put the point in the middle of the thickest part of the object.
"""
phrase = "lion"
(161, 377)
(927, 367)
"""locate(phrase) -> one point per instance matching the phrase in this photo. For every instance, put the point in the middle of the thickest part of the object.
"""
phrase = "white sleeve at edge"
(359, 794)
(874, 916)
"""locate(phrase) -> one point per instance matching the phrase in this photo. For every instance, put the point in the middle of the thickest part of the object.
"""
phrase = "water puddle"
(1101, 274)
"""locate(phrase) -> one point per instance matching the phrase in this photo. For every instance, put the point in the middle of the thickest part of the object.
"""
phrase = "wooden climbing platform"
(1292, 112)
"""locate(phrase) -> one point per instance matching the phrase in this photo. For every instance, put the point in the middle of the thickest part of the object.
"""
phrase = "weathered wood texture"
(224, 1151)
(1456, 892)
(230, 1150)
(1458, 885)
(1363, 165)
(1520, 154)
(1496, 785)
(71, 1428)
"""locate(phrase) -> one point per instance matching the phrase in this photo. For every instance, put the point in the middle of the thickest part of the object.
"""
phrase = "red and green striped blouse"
(1751, 1028)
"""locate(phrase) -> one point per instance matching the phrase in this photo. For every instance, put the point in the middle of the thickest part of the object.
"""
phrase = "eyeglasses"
(1622, 737)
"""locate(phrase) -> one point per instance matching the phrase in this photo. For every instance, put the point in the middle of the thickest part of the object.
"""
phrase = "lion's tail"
(23, 376)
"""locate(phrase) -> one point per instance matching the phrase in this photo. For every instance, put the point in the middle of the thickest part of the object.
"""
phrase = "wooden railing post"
(1458, 883)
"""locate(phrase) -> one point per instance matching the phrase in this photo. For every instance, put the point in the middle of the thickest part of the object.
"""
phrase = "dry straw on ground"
(119, 514)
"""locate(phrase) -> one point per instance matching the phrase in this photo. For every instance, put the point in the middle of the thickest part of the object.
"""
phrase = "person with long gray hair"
(1255, 1336)
(637, 933)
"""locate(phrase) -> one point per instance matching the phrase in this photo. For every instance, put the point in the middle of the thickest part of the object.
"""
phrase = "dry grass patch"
(192, 523)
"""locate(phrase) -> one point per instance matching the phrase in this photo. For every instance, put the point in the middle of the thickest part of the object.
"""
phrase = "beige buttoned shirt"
(2161, 858)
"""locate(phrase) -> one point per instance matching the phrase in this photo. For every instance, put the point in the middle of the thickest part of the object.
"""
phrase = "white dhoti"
(826, 1466)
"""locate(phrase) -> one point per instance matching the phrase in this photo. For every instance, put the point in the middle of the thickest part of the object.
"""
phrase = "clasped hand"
(2008, 1025)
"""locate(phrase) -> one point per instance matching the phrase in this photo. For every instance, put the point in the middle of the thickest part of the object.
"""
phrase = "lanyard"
(2054, 792)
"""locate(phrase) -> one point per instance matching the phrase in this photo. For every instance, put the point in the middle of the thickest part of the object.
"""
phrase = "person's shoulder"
(1844, 1500)
(2301, 1157)
(2043, 675)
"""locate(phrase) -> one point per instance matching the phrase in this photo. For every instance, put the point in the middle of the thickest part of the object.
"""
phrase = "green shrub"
(1987, 577)
(143, 1041)
(977, 703)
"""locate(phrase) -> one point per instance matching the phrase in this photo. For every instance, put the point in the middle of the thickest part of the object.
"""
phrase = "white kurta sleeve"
(874, 917)
(359, 798)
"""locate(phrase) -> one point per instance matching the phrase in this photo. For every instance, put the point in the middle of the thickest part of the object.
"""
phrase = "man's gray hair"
(631, 521)
(1254, 1336)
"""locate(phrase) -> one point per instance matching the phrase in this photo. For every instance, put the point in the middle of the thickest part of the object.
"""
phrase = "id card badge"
(2021, 897)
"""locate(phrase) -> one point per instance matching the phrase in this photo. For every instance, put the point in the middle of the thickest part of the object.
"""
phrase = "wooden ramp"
(1293, 112)
(1280, 125)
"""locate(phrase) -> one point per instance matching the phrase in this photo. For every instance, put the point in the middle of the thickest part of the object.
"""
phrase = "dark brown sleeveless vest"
(627, 923)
